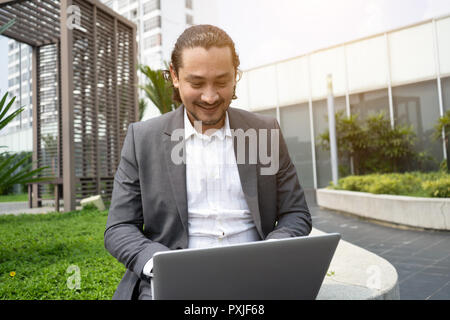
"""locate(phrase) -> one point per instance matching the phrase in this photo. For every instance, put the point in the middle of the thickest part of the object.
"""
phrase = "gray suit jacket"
(148, 211)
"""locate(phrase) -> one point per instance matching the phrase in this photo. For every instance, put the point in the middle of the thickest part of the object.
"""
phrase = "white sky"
(265, 31)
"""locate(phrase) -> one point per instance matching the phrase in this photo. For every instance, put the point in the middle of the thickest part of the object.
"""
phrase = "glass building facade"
(417, 104)
(404, 73)
(297, 134)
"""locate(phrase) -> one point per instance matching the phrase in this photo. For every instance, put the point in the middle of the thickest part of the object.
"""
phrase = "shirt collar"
(221, 133)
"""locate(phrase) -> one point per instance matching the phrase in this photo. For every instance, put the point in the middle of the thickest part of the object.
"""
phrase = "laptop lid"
(282, 269)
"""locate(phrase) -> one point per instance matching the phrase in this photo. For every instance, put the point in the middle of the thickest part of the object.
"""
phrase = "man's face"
(206, 84)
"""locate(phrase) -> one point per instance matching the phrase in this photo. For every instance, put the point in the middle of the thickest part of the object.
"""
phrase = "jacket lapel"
(177, 172)
(247, 171)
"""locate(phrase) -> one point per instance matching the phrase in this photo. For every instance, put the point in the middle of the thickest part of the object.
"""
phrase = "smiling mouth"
(208, 109)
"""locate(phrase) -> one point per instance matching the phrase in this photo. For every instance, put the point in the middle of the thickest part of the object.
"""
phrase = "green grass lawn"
(36, 252)
(14, 197)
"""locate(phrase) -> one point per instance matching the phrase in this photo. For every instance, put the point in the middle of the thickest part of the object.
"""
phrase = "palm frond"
(14, 170)
(4, 110)
(7, 25)
(157, 89)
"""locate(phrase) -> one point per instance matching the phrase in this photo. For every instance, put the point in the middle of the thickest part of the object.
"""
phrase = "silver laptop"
(282, 269)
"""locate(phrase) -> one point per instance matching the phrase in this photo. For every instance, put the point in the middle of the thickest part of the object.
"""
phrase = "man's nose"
(210, 96)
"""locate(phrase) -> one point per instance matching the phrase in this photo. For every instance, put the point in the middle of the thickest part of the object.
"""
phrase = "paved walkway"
(422, 258)
(22, 207)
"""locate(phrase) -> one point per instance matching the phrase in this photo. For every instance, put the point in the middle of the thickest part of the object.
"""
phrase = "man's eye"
(196, 85)
(222, 84)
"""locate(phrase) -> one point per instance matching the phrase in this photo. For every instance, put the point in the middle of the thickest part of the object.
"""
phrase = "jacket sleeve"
(293, 217)
(123, 237)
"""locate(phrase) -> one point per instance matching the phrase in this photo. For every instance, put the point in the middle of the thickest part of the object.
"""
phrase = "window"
(368, 103)
(445, 83)
(13, 69)
(417, 104)
(123, 3)
(189, 4)
(189, 19)
(295, 125)
(152, 41)
(152, 23)
(151, 5)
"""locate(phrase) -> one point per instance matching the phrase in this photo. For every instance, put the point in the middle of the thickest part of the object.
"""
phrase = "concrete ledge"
(426, 213)
(358, 274)
(94, 200)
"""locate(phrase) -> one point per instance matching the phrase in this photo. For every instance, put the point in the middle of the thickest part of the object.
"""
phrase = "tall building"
(17, 135)
(159, 23)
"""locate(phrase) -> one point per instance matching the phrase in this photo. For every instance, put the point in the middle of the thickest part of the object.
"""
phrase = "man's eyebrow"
(192, 77)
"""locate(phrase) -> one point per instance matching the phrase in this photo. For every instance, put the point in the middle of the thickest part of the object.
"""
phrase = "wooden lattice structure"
(84, 79)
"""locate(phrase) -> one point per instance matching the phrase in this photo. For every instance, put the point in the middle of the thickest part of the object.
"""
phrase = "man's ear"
(238, 75)
(174, 77)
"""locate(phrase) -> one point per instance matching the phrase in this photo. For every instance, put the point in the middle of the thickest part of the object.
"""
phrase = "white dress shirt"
(217, 210)
(218, 214)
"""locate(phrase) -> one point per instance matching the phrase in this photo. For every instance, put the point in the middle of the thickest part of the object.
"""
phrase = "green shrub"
(386, 185)
(432, 184)
(355, 183)
(375, 146)
(438, 188)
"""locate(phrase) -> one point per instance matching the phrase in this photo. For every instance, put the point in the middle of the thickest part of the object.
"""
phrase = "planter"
(358, 274)
(426, 213)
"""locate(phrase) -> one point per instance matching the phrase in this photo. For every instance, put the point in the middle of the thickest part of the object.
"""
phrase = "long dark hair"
(205, 36)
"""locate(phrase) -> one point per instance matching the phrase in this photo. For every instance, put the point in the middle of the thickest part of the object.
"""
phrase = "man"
(210, 197)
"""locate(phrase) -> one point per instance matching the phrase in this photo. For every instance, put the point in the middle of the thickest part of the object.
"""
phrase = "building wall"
(174, 20)
(403, 72)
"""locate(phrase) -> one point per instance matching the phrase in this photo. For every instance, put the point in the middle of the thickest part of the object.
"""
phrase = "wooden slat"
(28, 8)
(94, 82)
(19, 36)
(15, 32)
(24, 22)
(51, 6)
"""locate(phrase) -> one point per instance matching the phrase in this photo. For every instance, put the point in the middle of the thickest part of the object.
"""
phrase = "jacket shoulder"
(254, 119)
(152, 125)
(149, 123)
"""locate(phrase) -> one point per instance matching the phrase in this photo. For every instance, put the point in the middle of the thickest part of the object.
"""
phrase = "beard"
(210, 122)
